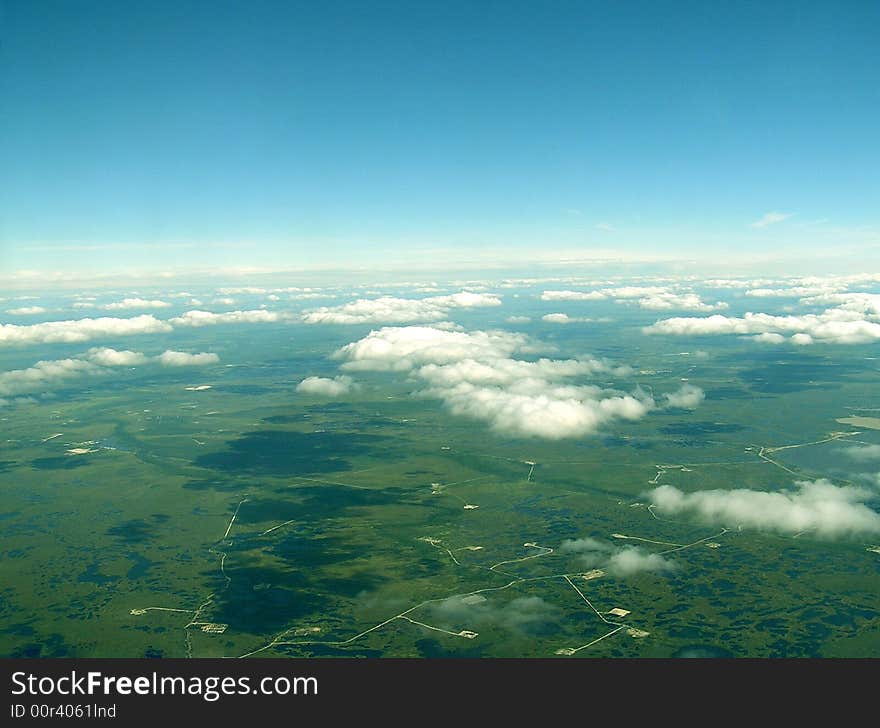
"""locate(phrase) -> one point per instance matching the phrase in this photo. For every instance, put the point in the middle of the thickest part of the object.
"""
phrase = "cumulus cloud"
(335, 387)
(769, 338)
(632, 560)
(73, 331)
(584, 545)
(522, 614)
(26, 310)
(573, 296)
(817, 506)
(683, 301)
(563, 318)
(621, 562)
(127, 303)
(402, 348)
(199, 318)
(389, 309)
(863, 453)
(655, 298)
(182, 359)
(771, 218)
(836, 326)
(518, 319)
(688, 396)
(44, 375)
(107, 357)
(474, 375)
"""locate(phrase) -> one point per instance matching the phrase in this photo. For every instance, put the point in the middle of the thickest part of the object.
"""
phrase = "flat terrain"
(215, 511)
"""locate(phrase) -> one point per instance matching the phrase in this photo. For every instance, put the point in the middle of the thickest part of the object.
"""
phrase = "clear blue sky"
(296, 133)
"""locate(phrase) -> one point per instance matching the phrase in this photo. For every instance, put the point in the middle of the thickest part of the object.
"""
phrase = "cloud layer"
(391, 310)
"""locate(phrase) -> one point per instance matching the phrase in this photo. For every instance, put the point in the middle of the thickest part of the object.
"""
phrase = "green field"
(250, 519)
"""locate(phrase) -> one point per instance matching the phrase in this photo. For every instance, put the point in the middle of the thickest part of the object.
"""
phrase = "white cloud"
(572, 296)
(473, 374)
(863, 452)
(635, 291)
(621, 562)
(790, 292)
(584, 545)
(402, 348)
(563, 318)
(771, 218)
(684, 301)
(182, 359)
(518, 319)
(769, 338)
(688, 396)
(26, 310)
(816, 506)
(43, 375)
(135, 303)
(327, 387)
(112, 358)
(199, 318)
(74, 331)
(632, 560)
(389, 309)
(833, 326)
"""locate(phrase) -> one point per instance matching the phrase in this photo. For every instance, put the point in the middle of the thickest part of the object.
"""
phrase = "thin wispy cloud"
(771, 218)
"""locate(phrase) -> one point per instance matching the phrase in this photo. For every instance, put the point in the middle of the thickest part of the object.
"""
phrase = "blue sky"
(286, 134)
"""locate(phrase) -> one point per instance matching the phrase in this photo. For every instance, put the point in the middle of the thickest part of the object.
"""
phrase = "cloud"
(44, 375)
(836, 326)
(135, 303)
(26, 310)
(528, 615)
(635, 291)
(74, 331)
(563, 318)
(112, 358)
(473, 374)
(685, 301)
(584, 545)
(518, 319)
(389, 309)
(769, 338)
(182, 359)
(688, 396)
(633, 560)
(572, 296)
(650, 297)
(863, 453)
(327, 387)
(816, 506)
(621, 562)
(771, 218)
(199, 318)
(402, 348)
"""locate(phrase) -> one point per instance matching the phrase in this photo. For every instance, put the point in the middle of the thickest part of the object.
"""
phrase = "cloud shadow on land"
(137, 530)
(784, 377)
(696, 429)
(263, 600)
(314, 502)
(64, 462)
(282, 452)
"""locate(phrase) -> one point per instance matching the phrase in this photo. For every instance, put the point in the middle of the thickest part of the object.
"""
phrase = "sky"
(284, 135)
